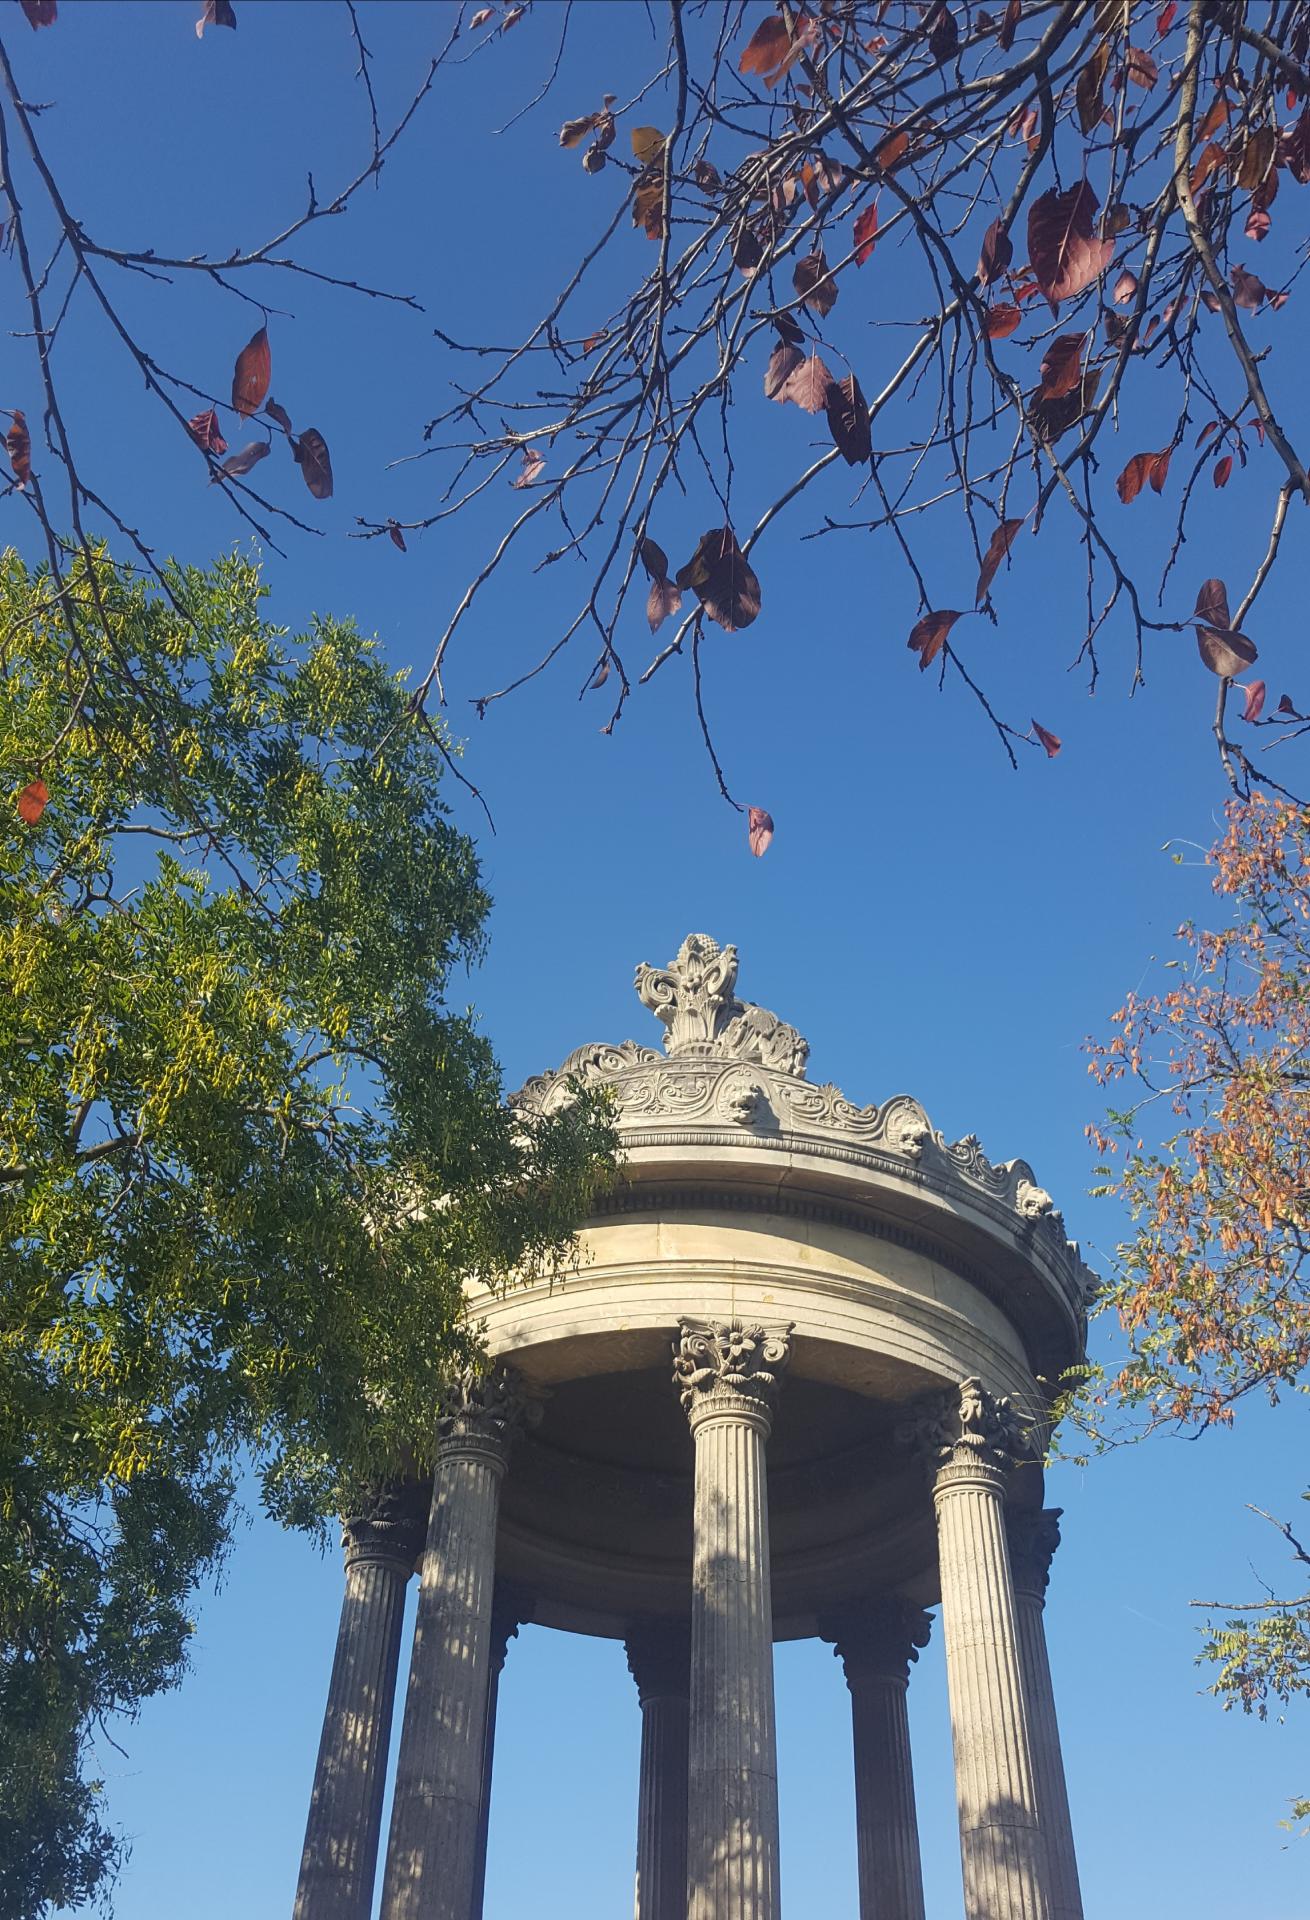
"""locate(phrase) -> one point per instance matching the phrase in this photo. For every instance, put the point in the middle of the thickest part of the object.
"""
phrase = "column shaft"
(662, 1811)
(887, 1828)
(1034, 1537)
(732, 1825)
(339, 1861)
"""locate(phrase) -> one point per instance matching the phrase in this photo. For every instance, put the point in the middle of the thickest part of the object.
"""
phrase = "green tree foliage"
(248, 1158)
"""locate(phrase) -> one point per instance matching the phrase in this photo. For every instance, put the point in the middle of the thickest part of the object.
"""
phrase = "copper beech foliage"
(945, 275)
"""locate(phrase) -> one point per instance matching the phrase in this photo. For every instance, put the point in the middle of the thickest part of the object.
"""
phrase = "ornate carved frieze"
(488, 1405)
(391, 1527)
(877, 1638)
(1033, 1534)
(966, 1432)
(722, 1364)
(694, 997)
(659, 1657)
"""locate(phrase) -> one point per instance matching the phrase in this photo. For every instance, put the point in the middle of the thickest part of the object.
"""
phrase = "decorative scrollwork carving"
(695, 998)
(721, 1361)
(390, 1527)
(490, 1405)
(966, 1431)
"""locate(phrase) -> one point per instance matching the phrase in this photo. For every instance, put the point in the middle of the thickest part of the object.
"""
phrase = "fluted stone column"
(973, 1439)
(339, 1861)
(1033, 1538)
(876, 1643)
(728, 1377)
(511, 1608)
(432, 1853)
(659, 1659)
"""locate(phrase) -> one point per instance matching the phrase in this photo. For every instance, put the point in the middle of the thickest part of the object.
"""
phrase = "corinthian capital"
(389, 1527)
(877, 1638)
(726, 1365)
(965, 1432)
(1033, 1535)
(487, 1406)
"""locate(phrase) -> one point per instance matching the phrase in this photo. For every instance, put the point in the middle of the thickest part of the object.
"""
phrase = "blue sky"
(935, 923)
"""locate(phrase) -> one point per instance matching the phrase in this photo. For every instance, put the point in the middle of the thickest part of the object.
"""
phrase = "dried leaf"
(1285, 706)
(997, 253)
(1257, 157)
(1255, 700)
(1168, 14)
(815, 284)
(512, 18)
(848, 421)
(480, 18)
(599, 677)
(866, 232)
(647, 145)
(1249, 291)
(1225, 652)
(43, 13)
(789, 329)
(767, 47)
(648, 208)
(1051, 418)
(1294, 149)
(808, 385)
(310, 454)
(943, 33)
(1047, 739)
(723, 580)
(747, 253)
(203, 428)
(928, 636)
(1212, 604)
(34, 798)
(1140, 68)
(1212, 155)
(998, 547)
(215, 13)
(242, 460)
(1002, 321)
(19, 443)
(1143, 467)
(783, 362)
(594, 158)
(1005, 38)
(1222, 470)
(707, 177)
(1065, 253)
(395, 536)
(759, 830)
(573, 132)
(1125, 288)
(533, 461)
(893, 149)
(252, 373)
(664, 597)
(1062, 365)
(1215, 115)
(279, 414)
(1089, 92)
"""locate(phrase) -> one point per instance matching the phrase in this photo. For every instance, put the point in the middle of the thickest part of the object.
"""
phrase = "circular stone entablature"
(901, 1262)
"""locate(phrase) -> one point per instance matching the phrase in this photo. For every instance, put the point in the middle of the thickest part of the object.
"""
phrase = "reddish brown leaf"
(1249, 291)
(1160, 469)
(279, 414)
(203, 428)
(997, 548)
(1212, 604)
(1256, 158)
(1062, 365)
(1222, 470)
(771, 51)
(866, 232)
(32, 801)
(815, 284)
(1168, 14)
(759, 830)
(1210, 427)
(599, 677)
(252, 373)
(1140, 68)
(848, 421)
(310, 454)
(783, 362)
(43, 13)
(1051, 418)
(1125, 287)
(648, 208)
(1065, 252)
(215, 13)
(747, 252)
(1215, 115)
(928, 636)
(1257, 427)
(1258, 223)
(1294, 149)
(242, 460)
(480, 18)
(1211, 156)
(1143, 467)
(533, 461)
(1285, 706)
(1225, 652)
(395, 536)
(512, 18)
(997, 253)
(808, 385)
(723, 580)
(19, 443)
(1002, 321)
(1255, 700)
(1089, 91)
(1046, 739)
(943, 33)
(664, 597)
(893, 149)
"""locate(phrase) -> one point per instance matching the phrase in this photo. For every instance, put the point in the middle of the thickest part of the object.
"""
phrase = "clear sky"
(935, 923)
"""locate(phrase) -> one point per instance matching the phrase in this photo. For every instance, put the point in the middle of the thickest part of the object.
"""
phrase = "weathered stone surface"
(1033, 1537)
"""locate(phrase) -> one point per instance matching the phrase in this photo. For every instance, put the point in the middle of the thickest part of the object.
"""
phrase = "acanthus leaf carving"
(695, 998)
(721, 1361)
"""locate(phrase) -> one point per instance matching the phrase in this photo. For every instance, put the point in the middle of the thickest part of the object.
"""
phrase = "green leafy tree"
(248, 1157)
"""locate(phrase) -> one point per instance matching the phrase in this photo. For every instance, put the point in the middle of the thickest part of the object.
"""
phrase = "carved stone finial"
(965, 1432)
(390, 1527)
(727, 1365)
(1033, 1534)
(659, 1658)
(695, 998)
(488, 1406)
(877, 1638)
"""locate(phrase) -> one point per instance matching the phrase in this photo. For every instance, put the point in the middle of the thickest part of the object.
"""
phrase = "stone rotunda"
(798, 1386)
